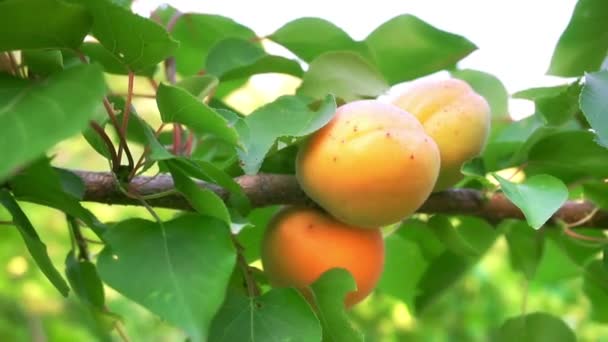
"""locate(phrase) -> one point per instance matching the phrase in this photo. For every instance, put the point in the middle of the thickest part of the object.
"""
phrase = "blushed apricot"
(300, 244)
(372, 165)
(455, 116)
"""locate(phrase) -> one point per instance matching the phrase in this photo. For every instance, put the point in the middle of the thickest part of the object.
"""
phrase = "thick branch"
(271, 189)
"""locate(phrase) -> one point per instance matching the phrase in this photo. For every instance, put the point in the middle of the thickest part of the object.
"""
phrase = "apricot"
(455, 116)
(301, 243)
(372, 165)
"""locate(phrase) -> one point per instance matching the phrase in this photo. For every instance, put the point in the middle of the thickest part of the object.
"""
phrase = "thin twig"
(170, 68)
(120, 331)
(125, 118)
(145, 153)
(153, 83)
(148, 96)
(177, 139)
(187, 150)
(252, 287)
(122, 138)
(95, 242)
(13, 64)
(583, 220)
(109, 144)
(517, 171)
(568, 231)
(81, 243)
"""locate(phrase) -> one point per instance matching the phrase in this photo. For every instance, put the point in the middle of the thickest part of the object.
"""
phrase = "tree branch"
(272, 189)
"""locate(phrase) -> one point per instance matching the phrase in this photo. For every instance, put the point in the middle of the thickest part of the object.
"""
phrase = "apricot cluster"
(372, 165)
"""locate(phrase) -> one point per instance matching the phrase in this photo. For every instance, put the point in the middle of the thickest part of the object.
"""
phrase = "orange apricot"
(372, 165)
(301, 243)
(455, 116)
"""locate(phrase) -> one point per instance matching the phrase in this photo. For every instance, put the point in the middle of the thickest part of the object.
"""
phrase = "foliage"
(198, 272)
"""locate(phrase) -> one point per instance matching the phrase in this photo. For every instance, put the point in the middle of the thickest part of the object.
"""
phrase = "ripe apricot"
(370, 166)
(455, 116)
(300, 244)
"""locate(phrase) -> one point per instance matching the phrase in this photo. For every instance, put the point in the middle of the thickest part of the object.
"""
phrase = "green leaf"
(595, 286)
(32, 241)
(533, 94)
(450, 236)
(139, 44)
(539, 197)
(204, 201)
(40, 183)
(36, 115)
(232, 53)
(535, 327)
(442, 273)
(177, 269)
(286, 116)
(71, 183)
(177, 105)
(597, 193)
(42, 62)
(197, 34)
(112, 64)
(605, 258)
(329, 291)
(208, 172)
(266, 64)
(251, 235)
(62, 25)
(594, 104)
(278, 315)
(561, 107)
(309, 37)
(569, 155)
(525, 247)
(474, 167)
(488, 86)
(446, 267)
(343, 74)
(199, 86)
(406, 47)
(419, 233)
(582, 46)
(85, 281)
(404, 267)
(579, 253)
(555, 265)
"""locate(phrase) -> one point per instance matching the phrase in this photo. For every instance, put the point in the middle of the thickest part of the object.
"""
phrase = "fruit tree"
(142, 199)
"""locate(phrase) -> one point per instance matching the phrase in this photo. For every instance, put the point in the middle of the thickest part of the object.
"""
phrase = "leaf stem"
(13, 64)
(177, 139)
(140, 162)
(109, 144)
(120, 331)
(125, 116)
(122, 138)
(125, 122)
(81, 243)
(252, 287)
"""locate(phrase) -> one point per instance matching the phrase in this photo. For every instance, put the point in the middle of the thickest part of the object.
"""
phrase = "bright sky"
(515, 38)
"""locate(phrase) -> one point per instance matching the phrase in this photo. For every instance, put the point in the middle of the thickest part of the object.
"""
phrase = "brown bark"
(271, 189)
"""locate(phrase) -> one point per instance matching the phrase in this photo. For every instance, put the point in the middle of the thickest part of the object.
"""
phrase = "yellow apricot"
(300, 244)
(372, 165)
(455, 116)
